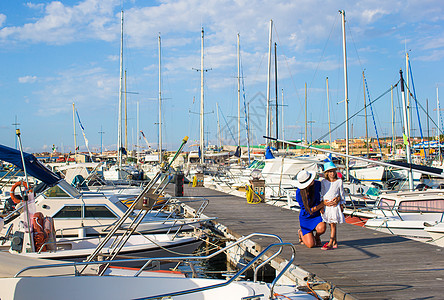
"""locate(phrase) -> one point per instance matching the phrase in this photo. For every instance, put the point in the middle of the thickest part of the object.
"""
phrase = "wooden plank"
(367, 264)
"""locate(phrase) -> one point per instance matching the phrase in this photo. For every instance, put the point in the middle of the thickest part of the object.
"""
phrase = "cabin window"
(55, 192)
(386, 203)
(434, 205)
(69, 212)
(99, 212)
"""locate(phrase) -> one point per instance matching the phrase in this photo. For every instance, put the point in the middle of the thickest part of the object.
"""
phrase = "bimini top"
(33, 166)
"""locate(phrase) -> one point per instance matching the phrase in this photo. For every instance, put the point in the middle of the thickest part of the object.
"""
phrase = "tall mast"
(101, 132)
(282, 115)
(126, 117)
(276, 92)
(202, 99)
(328, 106)
(407, 146)
(306, 120)
(267, 124)
(365, 113)
(218, 126)
(344, 52)
(238, 92)
(438, 109)
(119, 129)
(74, 126)
(393, 120)
(407, 84)
(160, 104)
(138, 133)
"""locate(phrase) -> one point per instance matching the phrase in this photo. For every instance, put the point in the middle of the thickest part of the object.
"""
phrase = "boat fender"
(17, 198)
(39, 234)
(49, 229)
(194, 181)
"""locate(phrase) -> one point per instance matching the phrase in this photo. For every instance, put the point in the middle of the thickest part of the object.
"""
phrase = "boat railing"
(149, 261)
(393, 209)
(367, 206)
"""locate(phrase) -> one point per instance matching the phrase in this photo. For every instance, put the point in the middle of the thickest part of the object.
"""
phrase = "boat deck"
(366, 265)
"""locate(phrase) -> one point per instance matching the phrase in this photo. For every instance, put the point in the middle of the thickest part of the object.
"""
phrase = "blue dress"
(309, 222)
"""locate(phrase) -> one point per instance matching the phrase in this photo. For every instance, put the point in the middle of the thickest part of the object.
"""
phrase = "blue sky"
(55, 53)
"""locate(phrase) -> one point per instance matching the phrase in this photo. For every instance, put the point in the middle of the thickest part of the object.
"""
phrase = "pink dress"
(330, 190)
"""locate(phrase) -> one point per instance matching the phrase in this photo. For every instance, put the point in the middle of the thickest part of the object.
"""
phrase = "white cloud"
(61, 24)
(27, 79)
(87, 87)
(2, 19)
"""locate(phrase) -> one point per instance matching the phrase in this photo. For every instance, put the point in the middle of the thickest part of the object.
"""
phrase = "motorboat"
(25, 277)
(92, 213)
(407, 213)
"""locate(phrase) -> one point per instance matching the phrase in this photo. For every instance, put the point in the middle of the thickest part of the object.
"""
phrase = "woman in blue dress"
(308, 195)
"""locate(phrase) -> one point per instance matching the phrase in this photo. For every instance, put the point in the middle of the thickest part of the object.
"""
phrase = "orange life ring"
(15, 198)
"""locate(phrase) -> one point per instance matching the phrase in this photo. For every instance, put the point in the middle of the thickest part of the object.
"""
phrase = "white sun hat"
(304, 178)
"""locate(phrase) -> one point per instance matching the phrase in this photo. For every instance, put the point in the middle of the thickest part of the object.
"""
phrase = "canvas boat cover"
(33, 166)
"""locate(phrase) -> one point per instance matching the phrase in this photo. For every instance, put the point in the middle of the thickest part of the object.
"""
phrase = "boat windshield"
(62, 189)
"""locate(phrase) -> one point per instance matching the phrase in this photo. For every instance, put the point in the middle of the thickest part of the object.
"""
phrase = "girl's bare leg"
(333, 241)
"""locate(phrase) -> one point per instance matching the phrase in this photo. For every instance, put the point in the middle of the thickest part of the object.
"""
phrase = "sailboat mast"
(218, 126)
(282, 116)
(344, 52)
(276, 92)
(407, 146)
(365, 113)
(119, 129)
(407, 84)
(439, 122)
(328, 107)
(238, 92)
(74, 126)
(267, 124)
(202, 99)
(126, 117)
(306, 120)
(138, 133)
(160, 104)
(393, 121)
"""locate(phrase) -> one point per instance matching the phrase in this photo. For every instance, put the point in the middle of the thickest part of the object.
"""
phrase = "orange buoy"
(15, 198)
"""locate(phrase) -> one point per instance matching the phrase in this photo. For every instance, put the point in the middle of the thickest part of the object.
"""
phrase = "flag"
(77, 147)
(406, 139)
(84, 135)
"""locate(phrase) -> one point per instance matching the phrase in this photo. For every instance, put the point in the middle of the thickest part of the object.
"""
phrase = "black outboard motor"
(178, 191)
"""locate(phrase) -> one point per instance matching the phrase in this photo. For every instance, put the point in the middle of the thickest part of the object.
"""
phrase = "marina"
(232, 203)
(366, 265)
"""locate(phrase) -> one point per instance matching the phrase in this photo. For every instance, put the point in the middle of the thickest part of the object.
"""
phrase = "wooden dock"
(366, 265)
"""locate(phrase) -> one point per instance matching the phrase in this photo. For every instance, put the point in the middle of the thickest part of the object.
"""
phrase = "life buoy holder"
(15, 198)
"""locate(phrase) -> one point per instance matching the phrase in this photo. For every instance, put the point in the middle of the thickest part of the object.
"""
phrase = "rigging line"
(373, 116)
(401, 119)
(417, 110)
(422, 108)
(323, 51)
(355, 114)
(229, 129)
(245, 109)
(354, 45)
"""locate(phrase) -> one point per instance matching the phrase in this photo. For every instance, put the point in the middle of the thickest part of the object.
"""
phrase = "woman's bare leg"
(320, 229)
(309, 240)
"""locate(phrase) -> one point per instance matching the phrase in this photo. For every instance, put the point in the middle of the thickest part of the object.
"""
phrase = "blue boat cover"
(268, 153)
(33, 166)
